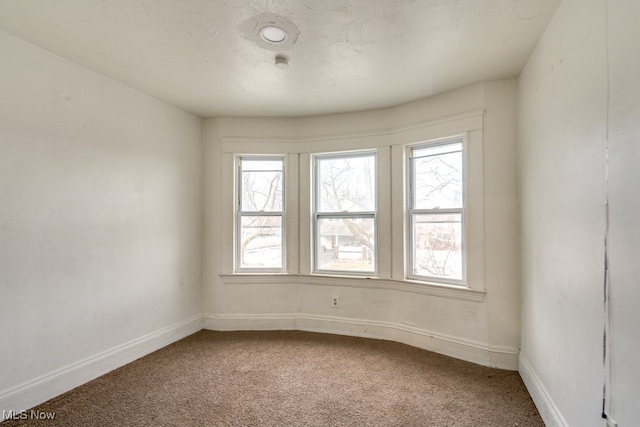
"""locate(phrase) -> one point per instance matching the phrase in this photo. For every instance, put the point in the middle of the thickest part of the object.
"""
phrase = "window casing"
(344, 213)
(260, 237)
(436, 212)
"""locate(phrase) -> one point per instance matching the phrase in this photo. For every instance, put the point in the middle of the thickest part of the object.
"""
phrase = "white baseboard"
(250, 322)
(548, 410)
(498, 357)
(34, 392)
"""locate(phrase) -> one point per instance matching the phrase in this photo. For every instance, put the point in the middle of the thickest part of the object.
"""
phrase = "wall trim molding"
(494, 356)
(40, 389)
(465, 122)
(423, 288)
(549, 412)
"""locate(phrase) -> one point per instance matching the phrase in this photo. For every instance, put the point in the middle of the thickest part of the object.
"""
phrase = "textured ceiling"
(205, 56)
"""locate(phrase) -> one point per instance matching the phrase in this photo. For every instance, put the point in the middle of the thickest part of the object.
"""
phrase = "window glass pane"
(346, 184)
(346, 244)
(261, 164)
(261, 242)
(437, 248)
(261, 185)
(438, 178)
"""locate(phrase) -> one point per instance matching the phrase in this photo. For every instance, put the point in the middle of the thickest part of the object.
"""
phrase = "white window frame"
(411, 212)
(240, 213)
(317, 216)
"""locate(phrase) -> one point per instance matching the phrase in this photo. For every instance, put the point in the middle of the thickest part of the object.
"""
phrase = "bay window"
(403, 211)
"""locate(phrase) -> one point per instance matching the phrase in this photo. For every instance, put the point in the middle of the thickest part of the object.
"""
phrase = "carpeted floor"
(292, 378)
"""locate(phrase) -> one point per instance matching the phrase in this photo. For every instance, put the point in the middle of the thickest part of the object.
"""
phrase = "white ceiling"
(205, 55)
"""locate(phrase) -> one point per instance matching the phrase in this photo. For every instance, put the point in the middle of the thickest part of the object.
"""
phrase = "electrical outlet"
(334, 301)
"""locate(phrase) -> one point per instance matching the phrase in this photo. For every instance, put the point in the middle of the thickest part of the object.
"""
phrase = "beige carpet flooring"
(292, 378)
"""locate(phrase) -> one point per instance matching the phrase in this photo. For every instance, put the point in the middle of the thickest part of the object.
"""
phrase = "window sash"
(319, 249)
(317, 203)
(413, 247)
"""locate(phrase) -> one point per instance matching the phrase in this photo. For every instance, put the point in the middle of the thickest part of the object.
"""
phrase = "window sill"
(422, 288)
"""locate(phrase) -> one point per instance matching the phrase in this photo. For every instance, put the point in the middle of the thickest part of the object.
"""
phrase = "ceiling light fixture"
(272, 34)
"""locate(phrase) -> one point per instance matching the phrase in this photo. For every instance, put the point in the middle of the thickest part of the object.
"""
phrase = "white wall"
(100, 224)
(624, 209)
(485, 331)
(578, 89)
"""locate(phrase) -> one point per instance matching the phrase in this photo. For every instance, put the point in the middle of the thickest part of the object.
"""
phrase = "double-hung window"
(345, 213)
(437, 212)
(260, 214)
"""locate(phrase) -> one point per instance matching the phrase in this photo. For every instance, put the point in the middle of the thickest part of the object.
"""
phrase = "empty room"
(301, 212)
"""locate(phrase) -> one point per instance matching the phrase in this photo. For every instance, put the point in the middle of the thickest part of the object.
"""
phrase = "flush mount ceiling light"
(272, 32)
(274, 35)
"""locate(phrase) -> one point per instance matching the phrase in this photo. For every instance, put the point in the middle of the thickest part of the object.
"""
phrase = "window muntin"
(436, 212)
(345, 213)
(260, 211)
